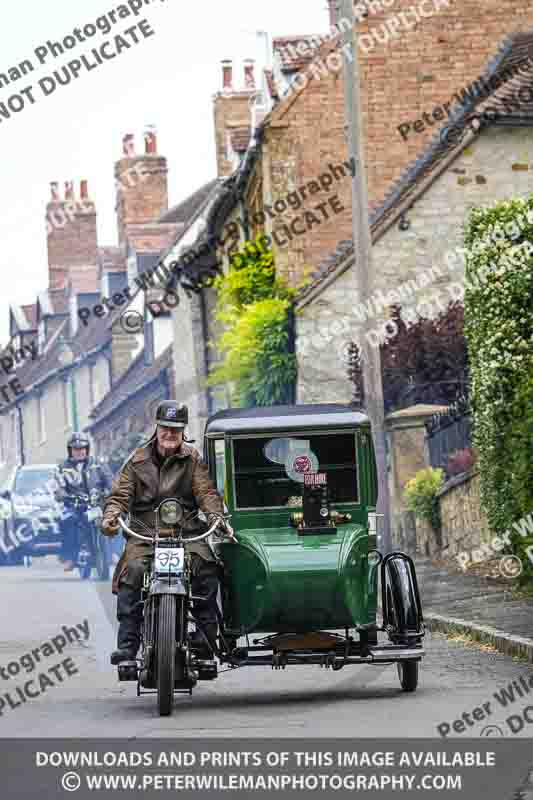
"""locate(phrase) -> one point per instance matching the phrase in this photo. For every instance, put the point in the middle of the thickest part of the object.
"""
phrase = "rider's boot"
(128, 641)
(129, 626)
(198, 643)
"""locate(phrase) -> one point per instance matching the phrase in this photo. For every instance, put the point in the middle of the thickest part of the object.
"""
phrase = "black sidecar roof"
(284, 418)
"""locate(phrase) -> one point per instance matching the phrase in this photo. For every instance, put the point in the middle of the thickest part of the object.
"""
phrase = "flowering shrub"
(421, 495)
(461, 461)
(499, 332)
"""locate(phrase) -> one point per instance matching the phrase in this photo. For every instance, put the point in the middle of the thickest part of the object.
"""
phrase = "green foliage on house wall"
(253, 306)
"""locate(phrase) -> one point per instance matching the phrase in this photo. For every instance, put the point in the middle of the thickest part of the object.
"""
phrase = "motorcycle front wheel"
(166, 649)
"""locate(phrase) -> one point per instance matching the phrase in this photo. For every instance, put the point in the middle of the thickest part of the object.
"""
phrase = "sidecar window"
(220, 465)
(269, 472)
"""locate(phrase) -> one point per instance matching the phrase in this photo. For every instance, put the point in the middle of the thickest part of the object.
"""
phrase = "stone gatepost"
(406, 455)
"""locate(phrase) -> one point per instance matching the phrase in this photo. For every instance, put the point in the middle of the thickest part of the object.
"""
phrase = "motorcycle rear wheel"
(166, 649)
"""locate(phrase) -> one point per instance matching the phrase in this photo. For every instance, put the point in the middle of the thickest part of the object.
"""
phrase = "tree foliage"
(424, 362)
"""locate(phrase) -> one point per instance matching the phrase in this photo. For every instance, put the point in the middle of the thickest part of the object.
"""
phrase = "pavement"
(477, 606)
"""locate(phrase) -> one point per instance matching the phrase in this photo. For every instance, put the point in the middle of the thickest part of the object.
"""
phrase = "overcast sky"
(167, 80)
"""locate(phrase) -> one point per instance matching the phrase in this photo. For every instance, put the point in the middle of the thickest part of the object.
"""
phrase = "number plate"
(169, 560)
(94, 513)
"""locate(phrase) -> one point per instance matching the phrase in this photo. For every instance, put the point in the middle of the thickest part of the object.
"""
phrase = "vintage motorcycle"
(300, 484)
(167, 662)
(95, 550)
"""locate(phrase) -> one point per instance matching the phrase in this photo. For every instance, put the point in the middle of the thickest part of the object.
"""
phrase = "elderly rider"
(165, 467)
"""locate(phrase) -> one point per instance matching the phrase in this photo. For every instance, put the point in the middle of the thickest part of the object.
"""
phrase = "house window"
(41, 420)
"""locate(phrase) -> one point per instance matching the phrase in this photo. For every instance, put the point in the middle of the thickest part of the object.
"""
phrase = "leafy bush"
(421, 495)
(461, 461)
(499, 331)
(253, 305)
(424, 362)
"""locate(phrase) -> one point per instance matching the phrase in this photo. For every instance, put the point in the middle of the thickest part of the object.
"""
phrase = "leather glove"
(109, 525)
(224, 529)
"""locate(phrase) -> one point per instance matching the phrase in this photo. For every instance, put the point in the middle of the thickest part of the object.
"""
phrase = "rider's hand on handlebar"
(109, 525)
(224, 529)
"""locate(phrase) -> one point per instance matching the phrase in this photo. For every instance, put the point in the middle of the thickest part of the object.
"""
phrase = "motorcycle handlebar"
(151, 538)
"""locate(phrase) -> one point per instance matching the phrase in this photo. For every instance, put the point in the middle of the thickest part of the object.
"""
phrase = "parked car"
(32, 527)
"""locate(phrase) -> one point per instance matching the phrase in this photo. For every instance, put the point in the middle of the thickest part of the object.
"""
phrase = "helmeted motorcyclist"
(164, 467)
(79, 474)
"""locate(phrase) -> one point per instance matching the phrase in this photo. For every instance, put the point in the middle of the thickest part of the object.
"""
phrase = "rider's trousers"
(129, 610)
(71, 538)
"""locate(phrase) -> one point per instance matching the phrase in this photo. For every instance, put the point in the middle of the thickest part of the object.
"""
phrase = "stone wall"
(464, 525)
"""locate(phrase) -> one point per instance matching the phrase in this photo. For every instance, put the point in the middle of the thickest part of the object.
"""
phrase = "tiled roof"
(447, 144)
(240, 138)
(136, 378)
(188, 207)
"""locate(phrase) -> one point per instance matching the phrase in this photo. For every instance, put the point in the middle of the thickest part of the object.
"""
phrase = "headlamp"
(170, 512)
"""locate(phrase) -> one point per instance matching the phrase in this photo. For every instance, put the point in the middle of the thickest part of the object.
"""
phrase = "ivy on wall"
(253, 306)
(499, 332)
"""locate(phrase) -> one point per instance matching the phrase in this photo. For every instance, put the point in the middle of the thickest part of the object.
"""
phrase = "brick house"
(418, 227)
(90, 374)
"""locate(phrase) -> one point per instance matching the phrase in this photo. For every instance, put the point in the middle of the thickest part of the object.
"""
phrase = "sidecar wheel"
(408, 675)
(166, 646)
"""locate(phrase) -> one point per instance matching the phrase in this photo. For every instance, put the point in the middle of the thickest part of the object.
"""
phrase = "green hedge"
(499, 332)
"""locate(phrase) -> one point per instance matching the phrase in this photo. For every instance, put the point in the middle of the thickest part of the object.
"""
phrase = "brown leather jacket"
(141, 485)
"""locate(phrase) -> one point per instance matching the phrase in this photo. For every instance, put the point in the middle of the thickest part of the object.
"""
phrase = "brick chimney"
(141, 183)
(71, 232)
(231, 109)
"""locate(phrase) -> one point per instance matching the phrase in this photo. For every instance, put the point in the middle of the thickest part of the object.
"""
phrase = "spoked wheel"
(408, 675)
(166, 648)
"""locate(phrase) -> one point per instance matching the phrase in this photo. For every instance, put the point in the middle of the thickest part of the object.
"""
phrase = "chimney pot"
(150, 141)
(227, 75)
(128, 145)
(84, 190)
(54, 189)
(69, 190)
(249, 78)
